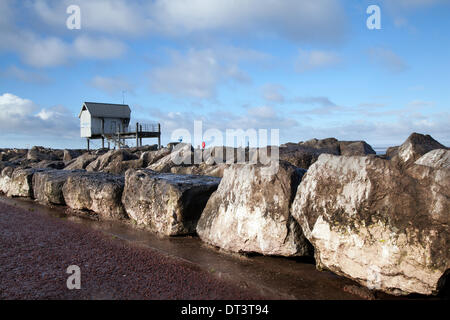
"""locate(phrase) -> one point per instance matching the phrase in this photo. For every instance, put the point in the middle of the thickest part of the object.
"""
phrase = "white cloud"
(260, 117)
(21, 116)
(381, 133)
(107, 16)
(111, 85)
(265, 112)
(371, 105)
(388, 59)
(388, 133)
(44, 52)
(49, 51)
(46, 114)
(196, 74)
(13, 107)
(411, 4)
(272, 93)
(7, 14)
(25, 75)
(299, 20)
(400, 10)
(98, 48)
(34, 50)
(418, 104)
(315, 59)
(400, 22)
(320, 101)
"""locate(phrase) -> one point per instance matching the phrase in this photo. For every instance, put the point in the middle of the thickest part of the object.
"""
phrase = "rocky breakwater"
(250, 211)
(438, 158)
(381, 224)
(48, 185)
(209, 162)
(20, 181)
(80, 162)
(97, 192)
(413, 148)
(115, 161)
(304, 154)
(5, 177)
(169, 204)
(180, 155)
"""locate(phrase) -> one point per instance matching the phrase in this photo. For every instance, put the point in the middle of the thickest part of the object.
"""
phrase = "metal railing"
(143, 127)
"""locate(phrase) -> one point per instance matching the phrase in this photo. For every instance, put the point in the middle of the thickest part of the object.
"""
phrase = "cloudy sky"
(309, 68)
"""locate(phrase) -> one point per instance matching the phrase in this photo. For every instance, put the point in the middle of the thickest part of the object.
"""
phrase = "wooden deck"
(138, 132)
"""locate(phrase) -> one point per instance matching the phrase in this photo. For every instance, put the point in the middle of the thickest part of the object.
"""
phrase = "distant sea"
(380, 150)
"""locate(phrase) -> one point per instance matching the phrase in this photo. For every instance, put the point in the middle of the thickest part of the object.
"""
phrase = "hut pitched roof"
(107, 110)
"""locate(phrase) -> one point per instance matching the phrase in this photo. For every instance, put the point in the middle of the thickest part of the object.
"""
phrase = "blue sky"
(311, 69)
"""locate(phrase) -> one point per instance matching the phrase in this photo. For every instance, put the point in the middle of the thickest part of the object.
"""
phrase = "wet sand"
(121, 261)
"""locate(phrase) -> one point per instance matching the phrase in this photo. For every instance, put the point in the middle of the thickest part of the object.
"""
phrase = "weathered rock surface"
(70, 154)
(150, 157)
(48, 164)
(12, 154)
(355, 148)
(250, 212)
(5, 178)
(213, 161)
(391, 152)
(41, 153)
(381, 226)
(304, 154)
(97, 192)
(110, 161)
(4, 164)
(169, 204)
(229, 155)
(299, 156)
(182, 154)
(48, 185)
(414, 147)
(329, 145)
(21, 182)
(81, 162)
(201, 169)
(140, 150)
(438, 158)
(118, 166)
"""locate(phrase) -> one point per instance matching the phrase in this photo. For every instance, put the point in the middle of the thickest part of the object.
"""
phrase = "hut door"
(113, 127)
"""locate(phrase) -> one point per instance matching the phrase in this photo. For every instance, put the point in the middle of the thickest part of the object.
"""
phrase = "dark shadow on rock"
(444, 285)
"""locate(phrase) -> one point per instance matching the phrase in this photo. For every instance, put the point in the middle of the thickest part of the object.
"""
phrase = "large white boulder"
(373, 222)
(167, 203)
(5, 178)
(48, 185)
(21, 182)
(96, 191)
(438, 158)
(249, 212)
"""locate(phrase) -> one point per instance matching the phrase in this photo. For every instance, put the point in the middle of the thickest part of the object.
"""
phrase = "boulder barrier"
(370, 221)
(250, 212)
(97, 192)
(169, 204)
